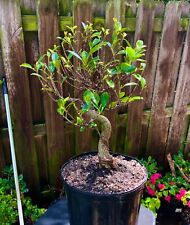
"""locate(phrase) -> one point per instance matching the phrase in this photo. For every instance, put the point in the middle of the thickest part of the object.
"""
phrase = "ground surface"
(86, 174)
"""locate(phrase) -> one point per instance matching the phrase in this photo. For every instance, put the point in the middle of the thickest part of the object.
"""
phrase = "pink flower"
(188, 204)
(181, 194)
(155, 177)
(150, 191)
(168, 198)
(161, 186)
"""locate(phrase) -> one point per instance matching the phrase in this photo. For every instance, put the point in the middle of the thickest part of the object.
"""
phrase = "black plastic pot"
(103, 209)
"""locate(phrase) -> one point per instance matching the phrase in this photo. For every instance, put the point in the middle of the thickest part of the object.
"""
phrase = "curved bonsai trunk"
(105, 158)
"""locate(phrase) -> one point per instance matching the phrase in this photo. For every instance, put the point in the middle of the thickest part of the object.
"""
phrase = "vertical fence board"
(181, 98)
(2, 159)
(32, 52)
(41, 146)
(187, 143)
(28, 6)
(2, 107)
(48, 25)
(158, 129)
(114, 9)
(144, 31)
(178, 52)
(82, 11)
(13, 55)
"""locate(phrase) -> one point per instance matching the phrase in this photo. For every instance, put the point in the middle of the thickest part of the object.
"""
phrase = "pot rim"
(104, 195)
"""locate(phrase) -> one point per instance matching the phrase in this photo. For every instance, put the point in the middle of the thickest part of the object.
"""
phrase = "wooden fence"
(155, 126)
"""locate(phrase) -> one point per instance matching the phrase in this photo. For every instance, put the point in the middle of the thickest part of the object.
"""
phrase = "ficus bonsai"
(104, 73)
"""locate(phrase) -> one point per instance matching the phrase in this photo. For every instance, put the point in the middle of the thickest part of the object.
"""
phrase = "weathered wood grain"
(182, 92)
(2, 105)
(144, 31)
(159, 124)
(2, 159)
(114, 9)
(41, 146)
(82, 13)
(48, 31)
(28, 6)
(13, 55)
(32, 53)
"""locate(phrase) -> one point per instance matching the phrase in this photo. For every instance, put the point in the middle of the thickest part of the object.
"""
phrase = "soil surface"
(85, 174)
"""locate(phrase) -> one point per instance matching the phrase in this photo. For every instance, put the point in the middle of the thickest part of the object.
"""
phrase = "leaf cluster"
(103, 68)
(8, 202)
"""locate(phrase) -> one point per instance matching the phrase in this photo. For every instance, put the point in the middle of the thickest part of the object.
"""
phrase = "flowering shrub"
(168, 188)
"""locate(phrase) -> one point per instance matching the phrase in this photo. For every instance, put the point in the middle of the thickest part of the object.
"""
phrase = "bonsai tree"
(101, 83)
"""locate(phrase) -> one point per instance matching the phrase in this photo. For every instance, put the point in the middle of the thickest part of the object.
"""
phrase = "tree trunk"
(105, 158)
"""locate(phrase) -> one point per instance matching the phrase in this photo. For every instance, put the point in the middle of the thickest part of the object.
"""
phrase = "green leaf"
(97, 47)
(82, 128)
(84, 56)
(157, 203)
(112, 104)
(96, 98)
(72, 53)
(95, 42)
(141, 79)
(85, 108)
(122, 52)
(110, 83)
(139, 44)
(129, 84)
(131, 99)
(130, 53)
(172, 191)
(79, 120)
(60, 111)
(55, 56)
(121, 94)
(93, 124)
(165, 193)
(26, 65)
(51, 67)
(87, 96)
(104, 99)
(62, 101)
(127, 68)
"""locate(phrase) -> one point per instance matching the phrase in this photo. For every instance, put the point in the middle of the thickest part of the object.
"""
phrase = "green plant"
(105, 73)
(151, 165)
(168, 187)
(8, 203)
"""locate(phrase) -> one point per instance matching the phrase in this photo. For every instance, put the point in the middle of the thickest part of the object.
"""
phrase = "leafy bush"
(167, 187)
(8, 202)
(101, 83)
